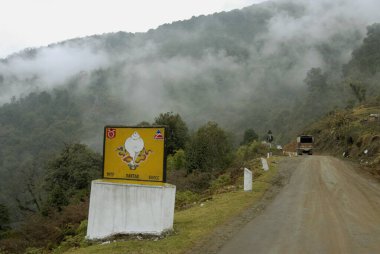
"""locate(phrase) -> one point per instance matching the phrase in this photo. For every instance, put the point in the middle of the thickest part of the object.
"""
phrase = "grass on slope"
(352, 132)
(193, 224)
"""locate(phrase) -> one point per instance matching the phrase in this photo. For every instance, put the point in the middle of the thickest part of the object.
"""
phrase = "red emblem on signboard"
(111, 133)
(158, 135)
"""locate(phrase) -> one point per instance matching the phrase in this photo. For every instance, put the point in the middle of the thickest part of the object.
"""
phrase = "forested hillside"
(354, 132)
(240, 68)
(277, 65)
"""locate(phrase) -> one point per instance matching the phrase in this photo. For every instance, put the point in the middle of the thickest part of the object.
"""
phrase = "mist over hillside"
(240, 68)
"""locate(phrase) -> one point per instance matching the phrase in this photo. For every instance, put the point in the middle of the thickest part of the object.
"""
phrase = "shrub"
(209, 149)
(177, 132)
(220, 182)
(69, 174)
(185, 198)
(250, 151)
(195, 182)
(39, 233)
(176, 161)
(4, 218)
(249, 136)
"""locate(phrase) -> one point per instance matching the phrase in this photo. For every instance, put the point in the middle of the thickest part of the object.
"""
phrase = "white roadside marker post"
(247, 179)
(264, 162)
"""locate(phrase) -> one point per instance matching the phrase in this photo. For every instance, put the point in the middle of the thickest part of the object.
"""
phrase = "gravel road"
(327, 207)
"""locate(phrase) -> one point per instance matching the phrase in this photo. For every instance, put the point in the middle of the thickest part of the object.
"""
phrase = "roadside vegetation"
(194, 224)
(354, 130)
(352, 133)
(205, 166)
(49, 134)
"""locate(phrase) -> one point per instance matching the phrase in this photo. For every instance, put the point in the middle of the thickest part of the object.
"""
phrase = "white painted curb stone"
(247, 179)
(264, 162)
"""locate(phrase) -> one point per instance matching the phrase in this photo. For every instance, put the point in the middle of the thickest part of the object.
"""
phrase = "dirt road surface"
(327, 207)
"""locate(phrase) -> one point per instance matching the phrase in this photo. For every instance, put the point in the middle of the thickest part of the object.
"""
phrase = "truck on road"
(305, 144)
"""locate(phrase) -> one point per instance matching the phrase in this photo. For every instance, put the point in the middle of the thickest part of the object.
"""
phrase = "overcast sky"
(34, 23)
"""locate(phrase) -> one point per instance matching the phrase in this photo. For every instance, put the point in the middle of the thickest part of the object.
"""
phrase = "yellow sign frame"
(135, 153)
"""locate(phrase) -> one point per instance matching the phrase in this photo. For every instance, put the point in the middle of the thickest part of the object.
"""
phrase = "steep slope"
(352, 133)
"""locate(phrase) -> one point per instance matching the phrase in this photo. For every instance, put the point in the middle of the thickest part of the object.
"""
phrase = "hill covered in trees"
(277, 65)
(244, 68)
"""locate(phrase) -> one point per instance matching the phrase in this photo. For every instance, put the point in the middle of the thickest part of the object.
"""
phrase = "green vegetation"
(186, 198)
(176, 161)
(33, 130)
(208, 149)
(351, 133)
(366, 59)
(249, 136)
(362, 71)
(193, 225)
(207, 165)
(63, 201)
(4, 218)
(177, 131)
(234, 69)
(250, 151)
(70, 174)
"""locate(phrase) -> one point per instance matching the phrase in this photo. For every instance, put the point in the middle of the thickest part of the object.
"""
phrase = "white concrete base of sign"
(264, 162)
(124, 208)
(247, 179)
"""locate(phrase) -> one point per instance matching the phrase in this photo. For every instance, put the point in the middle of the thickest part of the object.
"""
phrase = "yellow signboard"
(134, 153)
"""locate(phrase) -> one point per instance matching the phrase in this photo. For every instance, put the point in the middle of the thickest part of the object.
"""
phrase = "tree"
(320, 97)
(177, 160)
(71, 173)
(4, 217)
(177, 132)
(33, 129)
(249, 136)
(29, 200)
(209, 149)
(361, 73)
(143, 124)
(316, 81)
(359, 91)
(366, 58)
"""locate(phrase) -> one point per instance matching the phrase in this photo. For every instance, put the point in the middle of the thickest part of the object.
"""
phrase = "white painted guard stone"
(264, 162)
(247, 179)
(120, 208)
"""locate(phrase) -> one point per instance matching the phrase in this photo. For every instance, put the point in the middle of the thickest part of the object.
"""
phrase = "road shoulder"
(223, 233)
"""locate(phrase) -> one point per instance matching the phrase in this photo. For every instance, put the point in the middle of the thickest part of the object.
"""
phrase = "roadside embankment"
(353, 134)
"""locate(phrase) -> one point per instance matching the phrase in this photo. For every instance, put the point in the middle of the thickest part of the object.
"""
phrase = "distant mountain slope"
(240, 68)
